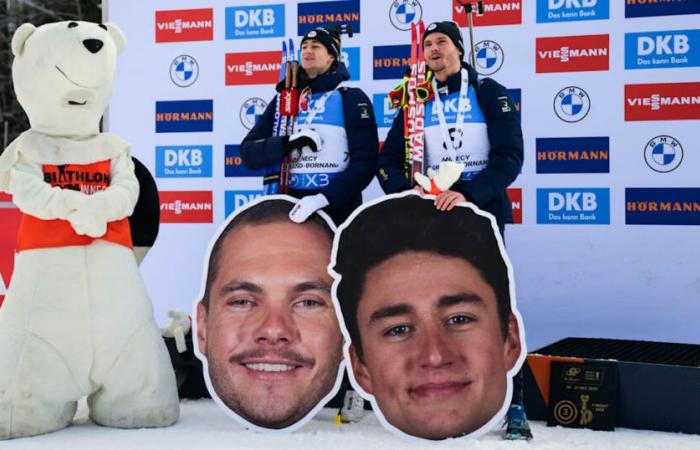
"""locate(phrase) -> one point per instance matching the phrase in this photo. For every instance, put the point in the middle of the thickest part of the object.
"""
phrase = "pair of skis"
(411, 96)
(276, 178)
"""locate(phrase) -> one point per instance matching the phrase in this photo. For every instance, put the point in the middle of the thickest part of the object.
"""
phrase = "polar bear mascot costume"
(76, 320)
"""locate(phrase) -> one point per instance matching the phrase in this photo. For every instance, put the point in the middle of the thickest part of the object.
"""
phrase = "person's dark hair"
(265, 212)
(411, 223)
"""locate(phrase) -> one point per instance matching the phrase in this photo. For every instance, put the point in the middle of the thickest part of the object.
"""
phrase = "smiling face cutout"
(427, 305)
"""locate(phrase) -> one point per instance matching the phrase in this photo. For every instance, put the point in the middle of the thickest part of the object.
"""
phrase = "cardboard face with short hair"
(433, 334)
(266, 328)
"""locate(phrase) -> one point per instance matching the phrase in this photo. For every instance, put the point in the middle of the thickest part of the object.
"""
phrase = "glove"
(307, 206)
(304, 138)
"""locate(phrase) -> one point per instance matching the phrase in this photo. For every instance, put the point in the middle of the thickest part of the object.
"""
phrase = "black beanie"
(448, 28)
(329, 37)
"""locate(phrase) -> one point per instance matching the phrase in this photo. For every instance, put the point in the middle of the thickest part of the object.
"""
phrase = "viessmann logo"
(185, 25)
(186, 207)
(515, 195)
(573, 53)
(666, 101)
(496, 12)
(253, 68)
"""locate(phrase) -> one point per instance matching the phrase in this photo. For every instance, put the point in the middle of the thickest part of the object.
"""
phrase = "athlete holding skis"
(471, 122)
(333, 151)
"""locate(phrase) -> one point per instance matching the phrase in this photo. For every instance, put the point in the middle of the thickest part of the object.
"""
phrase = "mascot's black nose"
(94, 45)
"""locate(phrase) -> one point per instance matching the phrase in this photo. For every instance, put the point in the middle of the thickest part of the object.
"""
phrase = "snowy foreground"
(203, 426)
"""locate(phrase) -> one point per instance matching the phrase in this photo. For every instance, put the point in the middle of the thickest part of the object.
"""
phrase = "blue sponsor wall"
(590, 244)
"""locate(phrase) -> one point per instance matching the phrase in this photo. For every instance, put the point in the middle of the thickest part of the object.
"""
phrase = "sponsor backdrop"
(608, 203)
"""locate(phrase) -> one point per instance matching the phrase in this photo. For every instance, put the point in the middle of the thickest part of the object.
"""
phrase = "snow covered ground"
(203, 426)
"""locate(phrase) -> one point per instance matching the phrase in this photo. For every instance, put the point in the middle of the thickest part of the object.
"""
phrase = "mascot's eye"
(103, 27)
(72, 24)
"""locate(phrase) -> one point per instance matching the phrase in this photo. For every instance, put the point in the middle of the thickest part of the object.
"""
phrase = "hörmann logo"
(183, 161)
(573, 206)
(496, 12)
(390, 61)
(572, 10)
(185, 25)
(662, 206)
(182, 116)
(665, 101)
(253, 68)
(233, 164)
(313, 14)
(186, 207)
(573, 155)
(662, 49)
(646, 8)
(573, 53)
(250, 22)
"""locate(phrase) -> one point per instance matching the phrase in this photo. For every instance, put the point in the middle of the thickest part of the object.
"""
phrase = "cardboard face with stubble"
(268, 331)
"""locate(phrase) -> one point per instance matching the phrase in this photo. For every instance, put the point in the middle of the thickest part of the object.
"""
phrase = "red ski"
(411, 95)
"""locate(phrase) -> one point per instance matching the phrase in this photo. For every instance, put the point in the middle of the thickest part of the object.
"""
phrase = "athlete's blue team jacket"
(345, 164)
(487, 187)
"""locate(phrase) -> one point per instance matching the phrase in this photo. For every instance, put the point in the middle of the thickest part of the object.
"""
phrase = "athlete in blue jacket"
(475, 124)
(489, 141)
(335, 144)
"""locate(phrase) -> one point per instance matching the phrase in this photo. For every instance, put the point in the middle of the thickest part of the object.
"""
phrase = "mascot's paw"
(85, 223)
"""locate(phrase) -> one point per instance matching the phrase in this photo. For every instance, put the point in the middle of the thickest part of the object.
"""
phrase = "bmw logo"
(184, 70)
(489, 57)
(402, 13)
(663, 154)
(251, 109)
(572, 104)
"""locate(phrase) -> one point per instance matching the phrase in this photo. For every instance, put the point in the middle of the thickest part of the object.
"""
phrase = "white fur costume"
(76, 319)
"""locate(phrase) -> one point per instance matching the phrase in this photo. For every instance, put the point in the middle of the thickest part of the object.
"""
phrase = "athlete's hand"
(419, 189)
(447, 200)
(307, 206)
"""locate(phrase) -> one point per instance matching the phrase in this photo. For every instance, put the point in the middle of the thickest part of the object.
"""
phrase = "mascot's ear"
(117, 35)
(20, 37)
